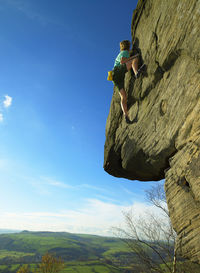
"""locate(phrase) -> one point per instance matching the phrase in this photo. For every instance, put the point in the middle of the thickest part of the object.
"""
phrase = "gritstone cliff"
(164, 139)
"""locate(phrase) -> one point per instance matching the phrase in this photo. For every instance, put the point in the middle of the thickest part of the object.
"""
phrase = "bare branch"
(151, 235)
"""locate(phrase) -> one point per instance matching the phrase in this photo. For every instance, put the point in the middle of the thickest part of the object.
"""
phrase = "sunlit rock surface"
(164, 103)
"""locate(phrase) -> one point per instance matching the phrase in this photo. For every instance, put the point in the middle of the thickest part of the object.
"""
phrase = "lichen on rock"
(164, 139)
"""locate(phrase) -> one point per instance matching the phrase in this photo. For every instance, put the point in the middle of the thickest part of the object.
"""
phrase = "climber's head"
(125, 45)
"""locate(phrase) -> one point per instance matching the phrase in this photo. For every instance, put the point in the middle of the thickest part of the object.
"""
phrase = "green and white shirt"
(123, 53)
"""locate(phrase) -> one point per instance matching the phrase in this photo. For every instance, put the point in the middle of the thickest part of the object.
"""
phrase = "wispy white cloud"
(93, 217)
(44, 185)
(7, 101)
(131, 193)
(127, 191)
(53, 182)
(1, 117)
(26, 8)
(60, 185)
(89, 186)
(30, 10)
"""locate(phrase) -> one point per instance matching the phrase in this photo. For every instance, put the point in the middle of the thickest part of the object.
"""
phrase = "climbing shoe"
(127, 120)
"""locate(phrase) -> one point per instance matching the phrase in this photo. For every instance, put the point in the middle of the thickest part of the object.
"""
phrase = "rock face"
(164, 103)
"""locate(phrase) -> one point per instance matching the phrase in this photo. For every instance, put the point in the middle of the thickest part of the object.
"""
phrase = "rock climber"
(124, 63)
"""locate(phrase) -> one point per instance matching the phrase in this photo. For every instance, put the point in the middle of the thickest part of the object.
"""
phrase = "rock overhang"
(164, 139)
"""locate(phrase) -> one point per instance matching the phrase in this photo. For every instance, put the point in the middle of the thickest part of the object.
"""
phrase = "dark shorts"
(119, 75)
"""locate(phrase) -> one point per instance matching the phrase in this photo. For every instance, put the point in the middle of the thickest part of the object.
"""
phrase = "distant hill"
(80, 252)
(30, 246)
(4, 231)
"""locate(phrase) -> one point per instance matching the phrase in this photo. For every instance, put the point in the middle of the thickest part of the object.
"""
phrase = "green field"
(76, 267)
(90, 267)
(66, 245)
(13, 254)
(81, 253)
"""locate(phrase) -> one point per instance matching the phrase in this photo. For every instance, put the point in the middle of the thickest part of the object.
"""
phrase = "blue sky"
(54, 102)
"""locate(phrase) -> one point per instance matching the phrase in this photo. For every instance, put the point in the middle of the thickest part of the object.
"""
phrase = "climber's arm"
(125, 60)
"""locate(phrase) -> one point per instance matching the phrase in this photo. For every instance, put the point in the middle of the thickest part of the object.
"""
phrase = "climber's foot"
(127, 120)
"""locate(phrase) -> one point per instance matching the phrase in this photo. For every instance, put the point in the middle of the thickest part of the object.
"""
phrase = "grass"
(12, 268)
(13, 254)
(81, 253)
(80, 267)
(88, 246)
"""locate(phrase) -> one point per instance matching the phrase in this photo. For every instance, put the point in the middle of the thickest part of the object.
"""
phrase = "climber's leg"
(123, 102)
(133, 64)
(124, 105)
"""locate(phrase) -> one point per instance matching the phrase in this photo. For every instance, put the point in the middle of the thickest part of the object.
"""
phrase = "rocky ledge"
(163, 142)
